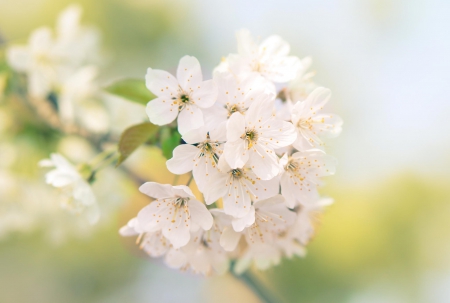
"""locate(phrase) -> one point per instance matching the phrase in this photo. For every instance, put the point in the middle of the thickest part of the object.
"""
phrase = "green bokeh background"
(386, 238)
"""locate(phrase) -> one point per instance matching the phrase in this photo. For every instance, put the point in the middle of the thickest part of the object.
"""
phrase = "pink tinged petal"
(236, 154)
(19, 58)
(239, 224)
(229, 239)
(274, 46)
(189, 73)
(183, 159)
(204, 94)
(200, 214)
(161, 83)
(156, 190)
(175, 258)
(162, 110)
(182, 191)
(191, 117)
(264, 162)
(235, 127)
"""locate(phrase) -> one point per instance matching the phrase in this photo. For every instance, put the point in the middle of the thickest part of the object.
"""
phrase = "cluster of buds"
(252, 140)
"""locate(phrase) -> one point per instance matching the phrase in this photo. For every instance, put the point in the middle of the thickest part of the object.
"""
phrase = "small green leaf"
(131, 89)
(133, 137)
(169, 141)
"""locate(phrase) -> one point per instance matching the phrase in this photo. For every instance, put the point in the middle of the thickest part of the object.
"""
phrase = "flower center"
(292, 165)
(183, 100)
(236, 173)
(250, 137)
(180, 202)
(234, 109)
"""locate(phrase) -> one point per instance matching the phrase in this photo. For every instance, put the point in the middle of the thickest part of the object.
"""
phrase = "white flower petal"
(189, 73)
(191, 117)
(162, 110)
(229, 239)
(183, 159)
(205, 94)
(161, 83)
(200, 214)
(240, 223)
(156, 190)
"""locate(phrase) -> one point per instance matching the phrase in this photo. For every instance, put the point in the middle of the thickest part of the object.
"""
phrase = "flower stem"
(190, 180)
(260, 290)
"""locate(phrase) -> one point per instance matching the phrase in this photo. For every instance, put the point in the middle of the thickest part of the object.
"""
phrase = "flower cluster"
(252, 138)
(61, 66)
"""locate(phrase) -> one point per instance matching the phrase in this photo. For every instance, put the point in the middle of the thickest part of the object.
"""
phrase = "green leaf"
(133, 137)
(169, 140)
(131, 89)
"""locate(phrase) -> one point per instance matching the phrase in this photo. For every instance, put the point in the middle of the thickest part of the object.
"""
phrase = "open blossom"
(270, 58)
(311, 124)
(238, 187)
(302, 173)
(255, 153)
(253, 138)
(181, 97)
(234, 95)
(76, 193)
(175, 212)
(200, 156)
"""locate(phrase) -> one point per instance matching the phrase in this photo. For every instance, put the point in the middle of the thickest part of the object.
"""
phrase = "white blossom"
(311, 124)
(238, 187)
(253, 138)
(234, 95)
(269, 58)
(302, 173)
(183, 96)
(175, 212)
(76, 192)
(200, 155)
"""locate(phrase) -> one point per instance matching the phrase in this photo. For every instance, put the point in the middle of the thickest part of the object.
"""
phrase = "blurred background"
(386, 238)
